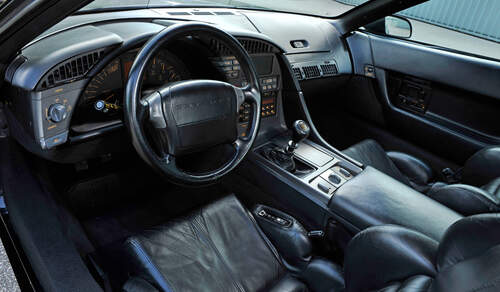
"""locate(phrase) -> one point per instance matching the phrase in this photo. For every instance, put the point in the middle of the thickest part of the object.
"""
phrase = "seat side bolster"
(465, 199)
(467, 238)
(383, 254)
(144, 266)
(135, 284)
(415, 169)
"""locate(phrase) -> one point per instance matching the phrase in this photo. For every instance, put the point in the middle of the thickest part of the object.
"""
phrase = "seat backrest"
(219, 248)
(468, 256)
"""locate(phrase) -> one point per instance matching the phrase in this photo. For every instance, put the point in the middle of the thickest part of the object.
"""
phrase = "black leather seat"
(478, 192)
(391, 258)
(222, 248)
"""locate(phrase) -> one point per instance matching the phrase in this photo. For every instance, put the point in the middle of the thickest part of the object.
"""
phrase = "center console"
(325, 187)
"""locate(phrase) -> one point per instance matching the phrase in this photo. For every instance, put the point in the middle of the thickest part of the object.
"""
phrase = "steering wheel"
(190, 116)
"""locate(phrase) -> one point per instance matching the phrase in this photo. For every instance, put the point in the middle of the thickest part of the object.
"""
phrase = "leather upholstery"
(482, 167)
(466, 199)
(135, 284)
(382, 254)
(220, 248)
(418, 172)
(493, 187)
(392, 258)
(373, 198)
(369, 152)
(292, 242)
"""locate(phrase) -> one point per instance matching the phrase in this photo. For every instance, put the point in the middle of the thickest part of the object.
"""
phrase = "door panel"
(445, 102)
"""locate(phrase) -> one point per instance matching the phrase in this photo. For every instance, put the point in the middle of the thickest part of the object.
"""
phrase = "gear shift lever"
(284, 156)
(301, 131)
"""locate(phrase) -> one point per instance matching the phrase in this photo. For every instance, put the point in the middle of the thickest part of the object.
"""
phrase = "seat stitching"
(140, 250)
(217, 252)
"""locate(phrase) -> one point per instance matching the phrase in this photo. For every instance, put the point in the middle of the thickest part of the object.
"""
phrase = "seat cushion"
(369, 152)
(217, 248)
(493, 188)
(482, 167)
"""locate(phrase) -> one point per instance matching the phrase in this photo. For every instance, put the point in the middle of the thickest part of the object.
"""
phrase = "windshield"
(326, 8)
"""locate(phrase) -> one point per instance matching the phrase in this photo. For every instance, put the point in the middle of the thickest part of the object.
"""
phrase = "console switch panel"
(268, 215)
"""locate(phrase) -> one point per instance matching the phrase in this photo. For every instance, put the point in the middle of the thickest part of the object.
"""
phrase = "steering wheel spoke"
(152, 106)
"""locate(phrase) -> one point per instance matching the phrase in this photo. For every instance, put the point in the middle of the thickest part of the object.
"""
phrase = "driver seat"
(221, 247)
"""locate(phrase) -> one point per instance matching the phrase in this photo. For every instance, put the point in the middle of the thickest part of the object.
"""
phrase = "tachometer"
(162, 69)
(105, 90)
(102, 99)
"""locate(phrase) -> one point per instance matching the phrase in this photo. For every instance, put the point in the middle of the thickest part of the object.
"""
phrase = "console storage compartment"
(374, 198)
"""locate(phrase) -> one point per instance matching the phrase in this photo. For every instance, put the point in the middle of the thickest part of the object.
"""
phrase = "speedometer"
(102, 99)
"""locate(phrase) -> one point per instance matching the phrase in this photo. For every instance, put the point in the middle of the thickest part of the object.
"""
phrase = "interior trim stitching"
(138, 248)
(207, 238)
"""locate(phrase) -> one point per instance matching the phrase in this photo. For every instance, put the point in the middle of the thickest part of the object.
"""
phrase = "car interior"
(220, 148)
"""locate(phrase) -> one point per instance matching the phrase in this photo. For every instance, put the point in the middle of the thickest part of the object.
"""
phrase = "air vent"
(311, 71)
(297, 73)
(224, 13)
(255, 46)
(71, 69)
(179, 13)
(329, 69)
(219, 47)
(251, 46)
(202, 13)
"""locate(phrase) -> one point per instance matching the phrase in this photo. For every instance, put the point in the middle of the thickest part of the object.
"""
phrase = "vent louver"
(179, 13)
(255, 46)
(71, 69)
(311, 71)
(202, 13)
(297, 73)
(224, 13)
(250, 45)
(329, 69)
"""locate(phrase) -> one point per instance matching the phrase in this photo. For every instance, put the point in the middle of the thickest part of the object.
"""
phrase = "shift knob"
(301, 131)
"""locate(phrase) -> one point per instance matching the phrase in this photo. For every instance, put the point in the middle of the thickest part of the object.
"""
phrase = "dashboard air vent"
(71, 69)
(255, 46)
(329, 69)
(179, 13)
(311, 71)
(224, 13)
(202, 13)
(297, 73)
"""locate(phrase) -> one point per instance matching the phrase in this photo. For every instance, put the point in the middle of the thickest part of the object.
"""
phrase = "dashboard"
(66, 87)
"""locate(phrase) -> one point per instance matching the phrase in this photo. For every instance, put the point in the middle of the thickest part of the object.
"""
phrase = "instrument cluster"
(102, 98)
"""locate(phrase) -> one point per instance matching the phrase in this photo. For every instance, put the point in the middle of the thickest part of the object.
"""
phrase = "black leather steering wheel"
(190, 116)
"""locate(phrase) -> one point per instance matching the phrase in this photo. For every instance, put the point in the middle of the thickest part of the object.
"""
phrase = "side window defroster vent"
(71, 69)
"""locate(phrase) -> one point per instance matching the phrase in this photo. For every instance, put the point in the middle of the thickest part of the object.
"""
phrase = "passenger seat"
(477, 192)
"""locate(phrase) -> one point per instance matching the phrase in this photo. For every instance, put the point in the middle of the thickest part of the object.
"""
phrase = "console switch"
(335, 179)
(324, 186)
(283, 222)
